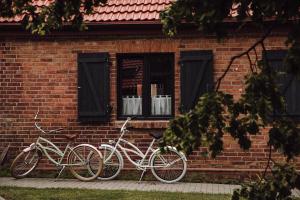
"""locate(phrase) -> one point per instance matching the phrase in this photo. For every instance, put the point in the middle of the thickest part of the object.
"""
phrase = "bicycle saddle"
(156, 135)
(71, 137)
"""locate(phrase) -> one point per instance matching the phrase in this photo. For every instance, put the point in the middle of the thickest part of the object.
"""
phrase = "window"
(146, 85)
(288, 84)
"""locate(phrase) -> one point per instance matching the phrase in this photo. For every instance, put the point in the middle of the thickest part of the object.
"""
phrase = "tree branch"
(269, 160)
(250, 62)
(267, 33)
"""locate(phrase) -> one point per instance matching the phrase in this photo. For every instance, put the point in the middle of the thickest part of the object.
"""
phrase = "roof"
(116, 11)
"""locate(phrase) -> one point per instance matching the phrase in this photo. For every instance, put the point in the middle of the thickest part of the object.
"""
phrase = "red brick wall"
(41, 74)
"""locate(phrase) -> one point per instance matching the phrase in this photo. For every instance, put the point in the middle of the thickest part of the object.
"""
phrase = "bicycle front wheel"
(81, 158)
(169, 166)
(25, 163)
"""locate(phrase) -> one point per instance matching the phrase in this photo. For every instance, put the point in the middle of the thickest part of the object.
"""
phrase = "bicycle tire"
(25, 158)
(164, 173)
(111, 167)
(79, 160)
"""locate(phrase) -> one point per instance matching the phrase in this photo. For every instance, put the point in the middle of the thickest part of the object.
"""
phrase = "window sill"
(145, 124)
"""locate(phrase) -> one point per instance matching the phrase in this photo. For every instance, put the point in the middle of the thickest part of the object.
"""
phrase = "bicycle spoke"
(85, 162)
(168, 166)
(174, 161)
(24, 163)
(111, 163)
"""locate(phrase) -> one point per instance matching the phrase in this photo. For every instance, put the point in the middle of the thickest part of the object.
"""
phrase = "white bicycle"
(168, 166)
(78, 159)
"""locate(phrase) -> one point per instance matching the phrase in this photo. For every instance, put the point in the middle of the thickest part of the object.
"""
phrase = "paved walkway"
(119, 185)
(123, 185)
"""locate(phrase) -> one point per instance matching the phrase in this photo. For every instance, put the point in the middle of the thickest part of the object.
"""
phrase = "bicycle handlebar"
(40, 128)
(36, 124)
(56, 130)
(36, 114)
(127, 120)
(133, 117)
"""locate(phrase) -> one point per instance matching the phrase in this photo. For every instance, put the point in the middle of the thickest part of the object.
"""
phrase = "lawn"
(16, 193)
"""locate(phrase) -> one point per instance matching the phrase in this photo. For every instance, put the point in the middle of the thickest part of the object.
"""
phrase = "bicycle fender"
(180, 152)
(107, 145)
(170, 147)
(31, 147)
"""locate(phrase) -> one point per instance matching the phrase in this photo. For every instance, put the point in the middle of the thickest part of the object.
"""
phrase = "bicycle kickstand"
(62, 169)
(142, 175)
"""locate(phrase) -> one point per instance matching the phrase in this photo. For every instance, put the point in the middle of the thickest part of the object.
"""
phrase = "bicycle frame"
(54, 149)
(134, 149)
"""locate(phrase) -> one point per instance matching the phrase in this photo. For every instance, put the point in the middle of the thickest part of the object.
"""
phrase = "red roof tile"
(116, 11)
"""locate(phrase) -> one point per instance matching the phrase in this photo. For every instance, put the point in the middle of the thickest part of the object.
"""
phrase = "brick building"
(89, 82)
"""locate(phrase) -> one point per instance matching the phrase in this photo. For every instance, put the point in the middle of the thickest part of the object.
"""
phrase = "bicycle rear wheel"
(169, 166)
(112, 163)
(25, 163)
(81, 158)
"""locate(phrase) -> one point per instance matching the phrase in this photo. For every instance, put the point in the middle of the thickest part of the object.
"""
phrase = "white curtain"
(160, 105)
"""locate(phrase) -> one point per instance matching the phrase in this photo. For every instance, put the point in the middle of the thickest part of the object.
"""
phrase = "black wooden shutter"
(196, 76)
(93, 87)
(288, 83)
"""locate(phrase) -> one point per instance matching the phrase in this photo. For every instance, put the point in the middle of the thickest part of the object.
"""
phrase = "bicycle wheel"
(112, 163)
(81, 158)
(25, 163)
(169, 166)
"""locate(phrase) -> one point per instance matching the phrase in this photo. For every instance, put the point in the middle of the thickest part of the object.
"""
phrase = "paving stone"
(296, 193)
(123, 185)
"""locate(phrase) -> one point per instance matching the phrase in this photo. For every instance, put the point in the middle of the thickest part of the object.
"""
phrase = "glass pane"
(161, 85)
(131, 86)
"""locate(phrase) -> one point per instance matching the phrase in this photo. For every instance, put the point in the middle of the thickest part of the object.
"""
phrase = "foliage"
(284, 179)
(260, 106)
(42, 19)
(217, 113)
(210, 15)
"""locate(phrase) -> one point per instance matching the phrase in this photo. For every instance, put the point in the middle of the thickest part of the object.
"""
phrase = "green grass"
(16, 193)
